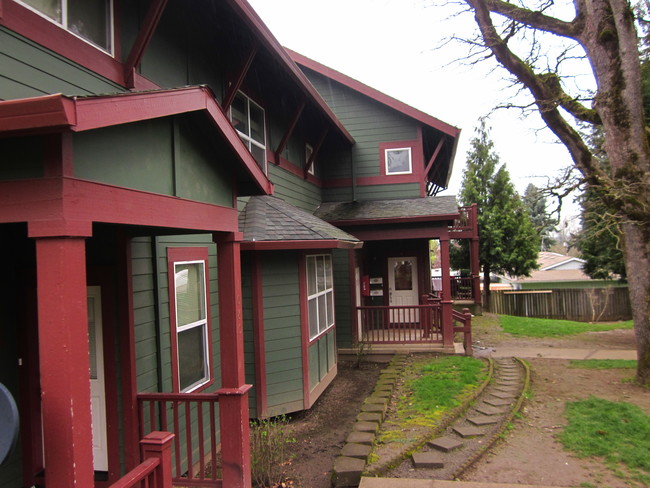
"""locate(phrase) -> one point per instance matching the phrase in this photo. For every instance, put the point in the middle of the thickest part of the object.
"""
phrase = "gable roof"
(269, 222)
(389, 211)
(375, 94)
(266, 37)
(552, 260)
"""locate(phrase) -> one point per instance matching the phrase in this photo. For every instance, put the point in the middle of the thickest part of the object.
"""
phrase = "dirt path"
(529, 453)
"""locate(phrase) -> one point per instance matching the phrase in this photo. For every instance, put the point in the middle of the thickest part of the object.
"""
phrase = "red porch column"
(446, 302)
(233, 395)
(64, 363)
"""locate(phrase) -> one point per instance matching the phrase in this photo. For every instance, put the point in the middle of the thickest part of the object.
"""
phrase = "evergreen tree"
(508, 243)
(544, 224)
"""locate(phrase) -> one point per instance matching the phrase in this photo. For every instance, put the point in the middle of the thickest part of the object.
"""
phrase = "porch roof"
(389, 211)
(270, 223)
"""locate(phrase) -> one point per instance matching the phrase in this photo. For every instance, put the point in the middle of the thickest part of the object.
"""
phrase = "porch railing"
(462, 287)
(155, 470)
(409, 324)
(193, 418)
(463, 325)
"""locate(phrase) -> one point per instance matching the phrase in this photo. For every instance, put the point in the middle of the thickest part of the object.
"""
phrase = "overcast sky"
(394, 46)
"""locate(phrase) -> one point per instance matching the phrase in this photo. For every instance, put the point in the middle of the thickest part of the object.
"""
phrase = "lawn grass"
(534, 327)
(618, 432)
(603, 363)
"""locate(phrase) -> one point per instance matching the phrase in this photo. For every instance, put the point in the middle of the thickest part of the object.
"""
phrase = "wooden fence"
(580, 304)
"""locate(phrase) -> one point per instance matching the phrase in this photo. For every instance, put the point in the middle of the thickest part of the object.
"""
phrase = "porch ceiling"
(271, 223)
(389, 211)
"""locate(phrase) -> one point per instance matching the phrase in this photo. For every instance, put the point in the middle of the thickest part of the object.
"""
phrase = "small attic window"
(398, 161)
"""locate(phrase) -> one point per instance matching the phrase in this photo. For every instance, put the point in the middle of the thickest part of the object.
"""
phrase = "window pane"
(190, 293)
(320, 273)
(90, 19)
(403, 275)
(239, 114)
(328, 272)
(330, 308)
(259, 155)
(92, 344)
(311, 275)
(51, 8)
(398, 161)
(322, 313)
(313, 318)
(257, 124)
(192, 364)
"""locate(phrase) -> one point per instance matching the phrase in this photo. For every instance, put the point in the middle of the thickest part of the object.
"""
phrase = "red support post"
(158, 445)
(233, 395)
(446, 302)
(64, 362)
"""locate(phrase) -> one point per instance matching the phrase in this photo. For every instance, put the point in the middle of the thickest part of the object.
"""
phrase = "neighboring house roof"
(246, 12)
(60, 112)
(553, 267)
(269, 222)
(553, 260)
(389, 211)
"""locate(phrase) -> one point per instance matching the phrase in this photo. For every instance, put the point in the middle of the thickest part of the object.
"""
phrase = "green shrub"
(270, 442)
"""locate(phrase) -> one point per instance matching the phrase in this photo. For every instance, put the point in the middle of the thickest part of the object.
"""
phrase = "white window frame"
(309, 150)
(64, 24)
(320, 329)
(192, 325)
(247, 138)
(392, 149)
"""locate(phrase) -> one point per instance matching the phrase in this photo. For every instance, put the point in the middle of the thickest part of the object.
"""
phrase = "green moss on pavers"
(388, 376)
(361, 437)
(362, 426)
(381, 394)
(352, 449)
(428, 460)
(370, 417)
(373, 407)
(347, 471)
(379, 400)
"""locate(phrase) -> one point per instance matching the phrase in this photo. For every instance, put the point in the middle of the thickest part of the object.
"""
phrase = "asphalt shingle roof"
(383, 209)
(268, 218)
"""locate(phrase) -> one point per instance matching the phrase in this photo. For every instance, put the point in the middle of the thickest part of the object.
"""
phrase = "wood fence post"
(158, 445)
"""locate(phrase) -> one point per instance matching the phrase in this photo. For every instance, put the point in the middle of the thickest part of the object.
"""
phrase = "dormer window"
(91, 20)
(248, 119)
(398, 161)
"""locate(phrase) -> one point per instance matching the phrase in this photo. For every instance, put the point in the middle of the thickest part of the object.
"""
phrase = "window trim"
(309, 150)
(184, 255)
(111, 24)
(396, 173)
(314, 296)
(247, 138)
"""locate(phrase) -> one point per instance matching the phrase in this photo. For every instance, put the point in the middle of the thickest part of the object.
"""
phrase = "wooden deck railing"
(155, 470)
(463, 324)
(193, 418)
(462, 287)
(413, 324)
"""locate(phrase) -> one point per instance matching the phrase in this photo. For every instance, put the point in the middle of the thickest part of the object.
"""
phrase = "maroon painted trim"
(315, 150)
(308, 244)
(58, 155)
(145, 34)
(174, 255)
(283, 143)
(127, 359)
(433, 157)
(27, 23)
(304, 326)
(258, 336)
(352, 263)
(380, 234)
(68, 205)
(374, 94)
(268, 40)
(296, 170)
(243, 71)
(102, 277)
(80, 114)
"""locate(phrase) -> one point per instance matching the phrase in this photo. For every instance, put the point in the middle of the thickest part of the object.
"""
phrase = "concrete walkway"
(554, 353)
(416, 483)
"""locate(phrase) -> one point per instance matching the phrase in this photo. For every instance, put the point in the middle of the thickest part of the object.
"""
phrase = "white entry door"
(403, 288)
(97, 389)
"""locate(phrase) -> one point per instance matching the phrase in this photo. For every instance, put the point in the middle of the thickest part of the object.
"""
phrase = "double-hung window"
(320, 294)
(190, 322)
(248, 119)
(92, 20)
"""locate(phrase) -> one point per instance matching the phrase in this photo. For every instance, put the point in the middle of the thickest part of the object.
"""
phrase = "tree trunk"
(486, 288)
(637, 263)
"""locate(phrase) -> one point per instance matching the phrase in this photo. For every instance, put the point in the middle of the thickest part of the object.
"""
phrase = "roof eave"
(300, 245)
